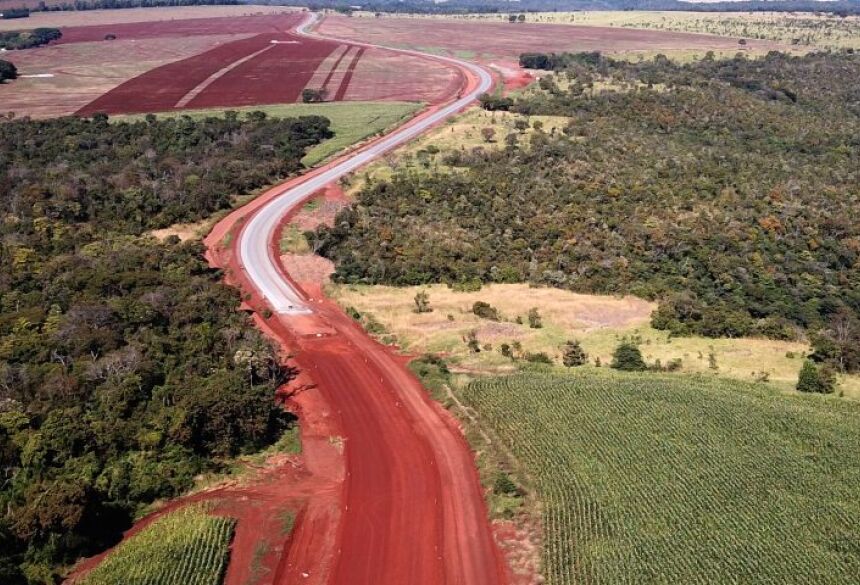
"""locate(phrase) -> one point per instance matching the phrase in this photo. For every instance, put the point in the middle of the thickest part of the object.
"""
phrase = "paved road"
(254, 250)
(411, 509)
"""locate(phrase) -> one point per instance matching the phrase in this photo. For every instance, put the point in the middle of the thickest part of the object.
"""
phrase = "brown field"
(101, 17)
(492, 41)
(185, 61)
(84, 71)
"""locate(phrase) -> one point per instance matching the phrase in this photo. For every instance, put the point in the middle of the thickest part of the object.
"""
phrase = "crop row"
(656, 479)
(187, 547)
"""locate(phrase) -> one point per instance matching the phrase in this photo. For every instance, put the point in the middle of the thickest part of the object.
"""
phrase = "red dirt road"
(412, 509)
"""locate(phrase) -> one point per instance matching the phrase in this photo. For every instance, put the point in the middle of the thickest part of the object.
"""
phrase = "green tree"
(312, 96)
(627, 357)
(816, 379)
(7, 71)
(573, 355)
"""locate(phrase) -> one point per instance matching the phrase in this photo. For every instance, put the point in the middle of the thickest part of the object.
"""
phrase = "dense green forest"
(28, 39)
(726, 189)
(125, 368)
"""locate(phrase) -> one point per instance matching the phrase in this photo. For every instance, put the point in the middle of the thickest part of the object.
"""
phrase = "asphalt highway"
(255, 252)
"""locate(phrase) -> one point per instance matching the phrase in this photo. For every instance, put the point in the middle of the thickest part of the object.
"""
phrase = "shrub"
(7, 71)
(485, 311)
(535, 321)
(422, 302)
(628, 358)
(573, 355)
(538, 358)
(817, 379)
(313, 96)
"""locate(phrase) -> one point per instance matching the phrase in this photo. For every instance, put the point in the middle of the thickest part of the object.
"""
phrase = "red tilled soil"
(160, 89)
(385, 75)
(275, 76)
(273, 23)
(81, 72)
(488, 41)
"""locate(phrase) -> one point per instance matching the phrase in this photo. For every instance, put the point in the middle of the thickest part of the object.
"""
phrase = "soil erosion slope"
(411, 510)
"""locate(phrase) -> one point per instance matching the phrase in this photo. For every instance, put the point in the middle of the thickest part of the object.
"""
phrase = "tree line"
(725, 189)
(16, 40)
(125, 368)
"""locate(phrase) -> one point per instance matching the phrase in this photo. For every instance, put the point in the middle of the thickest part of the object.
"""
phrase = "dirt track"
(411, 509)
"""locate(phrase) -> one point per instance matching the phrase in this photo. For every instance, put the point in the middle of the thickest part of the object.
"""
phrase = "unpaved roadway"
(411, 509)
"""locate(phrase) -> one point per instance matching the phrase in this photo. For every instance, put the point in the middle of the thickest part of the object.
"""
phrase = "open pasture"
(493, 41)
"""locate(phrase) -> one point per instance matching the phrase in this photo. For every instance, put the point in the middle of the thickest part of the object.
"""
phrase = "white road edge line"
(255, 253)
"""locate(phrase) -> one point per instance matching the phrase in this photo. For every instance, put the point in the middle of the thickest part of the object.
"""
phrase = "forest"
(125, 368)
(726, 189)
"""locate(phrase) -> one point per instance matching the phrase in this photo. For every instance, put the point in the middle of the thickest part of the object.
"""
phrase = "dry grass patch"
(599, 322)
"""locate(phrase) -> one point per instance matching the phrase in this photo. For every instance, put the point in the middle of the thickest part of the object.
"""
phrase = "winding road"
(256, 257)
(410, 508)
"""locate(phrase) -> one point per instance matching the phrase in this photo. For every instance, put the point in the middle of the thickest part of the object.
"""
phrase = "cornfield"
(658, 479)
(187, 547)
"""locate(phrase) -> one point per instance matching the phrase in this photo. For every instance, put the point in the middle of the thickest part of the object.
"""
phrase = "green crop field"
(187, 547)
(352, 122)
(659, 479)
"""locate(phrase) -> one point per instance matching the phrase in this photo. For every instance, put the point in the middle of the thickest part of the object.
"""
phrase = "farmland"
(494, 42)
(821, 30)
(179, 59)
(658, 479)
(187, 547)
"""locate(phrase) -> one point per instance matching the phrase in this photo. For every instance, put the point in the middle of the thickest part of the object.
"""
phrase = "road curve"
(254, 251)
(411, 509)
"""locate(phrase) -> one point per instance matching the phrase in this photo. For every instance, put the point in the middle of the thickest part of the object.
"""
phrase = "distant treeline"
(28, 39)
(10, 13)
(118, 4)
(844, 7)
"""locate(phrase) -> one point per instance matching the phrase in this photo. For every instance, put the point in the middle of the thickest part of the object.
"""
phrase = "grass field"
(802, 28)
(352, 122)
(658, 479)
(598, 322)
(186, 547)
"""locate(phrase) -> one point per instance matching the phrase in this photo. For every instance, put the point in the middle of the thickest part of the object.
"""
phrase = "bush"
(422, 302)
(535, 321)
(7, 71)
(313, 96)
(485, 311)
(537, 358)
(628, 358)
(504, 486)
(573, 355)
(816, 379)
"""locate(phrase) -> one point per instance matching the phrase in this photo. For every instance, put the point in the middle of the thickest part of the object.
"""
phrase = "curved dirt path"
(411, 509)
